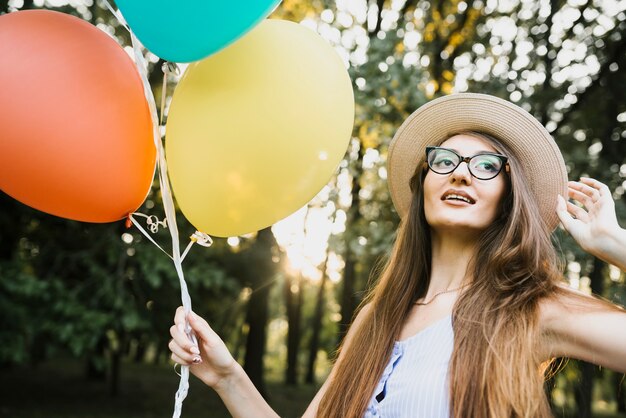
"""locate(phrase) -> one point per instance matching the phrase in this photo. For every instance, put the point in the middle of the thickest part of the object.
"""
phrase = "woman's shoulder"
(578, 325)
(565, 301)
(553, 306)
(557, 314)
(563, 305)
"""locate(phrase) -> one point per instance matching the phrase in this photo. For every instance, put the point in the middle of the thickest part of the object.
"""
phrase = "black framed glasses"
(483, 166)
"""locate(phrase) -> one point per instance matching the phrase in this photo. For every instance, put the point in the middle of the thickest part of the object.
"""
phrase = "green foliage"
(68, 288)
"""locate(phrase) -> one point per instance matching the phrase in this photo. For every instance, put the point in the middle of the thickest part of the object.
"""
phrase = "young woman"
(471, 306)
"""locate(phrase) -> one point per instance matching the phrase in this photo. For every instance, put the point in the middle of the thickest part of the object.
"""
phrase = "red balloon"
(75, 128)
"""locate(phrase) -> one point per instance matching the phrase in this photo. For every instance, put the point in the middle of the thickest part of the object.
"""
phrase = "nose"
(461, 174)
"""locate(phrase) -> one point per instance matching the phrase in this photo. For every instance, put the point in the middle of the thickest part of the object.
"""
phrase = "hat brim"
(540, 157)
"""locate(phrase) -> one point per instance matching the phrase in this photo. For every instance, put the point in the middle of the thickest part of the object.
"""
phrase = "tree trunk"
(257, 335)
(115, 377)
(348, 299)
(261, 276)
(95, 370)
(547, 64)
(293, 299)
(618, 382)
(585, 388)
(317, 327)
(140, 353)
(583, 393)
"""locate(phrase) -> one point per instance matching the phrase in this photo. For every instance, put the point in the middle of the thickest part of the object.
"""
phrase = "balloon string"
(168, 203)
(199, 238)
(117, 15)
(163, 92)
(152, 222)
(167, 68)
(170, 214)
(152, 225)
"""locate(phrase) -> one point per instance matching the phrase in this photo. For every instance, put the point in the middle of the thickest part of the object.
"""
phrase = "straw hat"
(541, 160)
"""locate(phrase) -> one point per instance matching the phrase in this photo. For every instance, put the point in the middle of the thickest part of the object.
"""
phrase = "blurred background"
(85, 309)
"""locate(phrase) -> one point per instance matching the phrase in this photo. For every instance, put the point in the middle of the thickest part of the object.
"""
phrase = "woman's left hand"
(595, 229)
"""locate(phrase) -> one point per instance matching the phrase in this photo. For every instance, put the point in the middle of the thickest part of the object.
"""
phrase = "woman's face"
(444, 212)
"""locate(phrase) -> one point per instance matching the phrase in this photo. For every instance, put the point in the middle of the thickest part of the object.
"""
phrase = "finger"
(590, 191)
(602, 188)
(181, 321)
(561, 211)
(578, 212)
(182, 339)
(580, 198)
(183, 354)
(179, 360)
(203, 329)
(179, 317)
(560, 204)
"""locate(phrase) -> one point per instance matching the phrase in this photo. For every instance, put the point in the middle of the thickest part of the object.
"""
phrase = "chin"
(458, 226)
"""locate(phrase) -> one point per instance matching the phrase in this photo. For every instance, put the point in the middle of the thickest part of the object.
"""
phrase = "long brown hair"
(495, 369)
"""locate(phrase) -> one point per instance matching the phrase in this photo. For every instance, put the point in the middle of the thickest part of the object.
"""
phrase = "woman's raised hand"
(210, 360)
(594, 226)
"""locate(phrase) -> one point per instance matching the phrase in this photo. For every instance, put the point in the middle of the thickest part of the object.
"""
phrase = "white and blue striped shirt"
(415, 382)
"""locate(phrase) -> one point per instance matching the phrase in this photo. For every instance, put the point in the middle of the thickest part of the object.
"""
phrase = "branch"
(405, 8)
(379, 4)
(619, 51)
(547, 63)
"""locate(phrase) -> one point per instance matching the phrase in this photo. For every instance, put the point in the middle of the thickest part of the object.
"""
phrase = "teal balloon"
(186, 30)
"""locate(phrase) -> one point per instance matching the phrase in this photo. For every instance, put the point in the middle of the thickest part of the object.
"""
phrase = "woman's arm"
(579, 326)
(596, 229)
(212, 363)
(215, 366)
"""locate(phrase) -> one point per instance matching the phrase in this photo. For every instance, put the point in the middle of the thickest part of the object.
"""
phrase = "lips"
(459, 195)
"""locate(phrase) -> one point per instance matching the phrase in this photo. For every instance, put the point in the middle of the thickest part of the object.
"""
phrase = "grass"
(59, 390)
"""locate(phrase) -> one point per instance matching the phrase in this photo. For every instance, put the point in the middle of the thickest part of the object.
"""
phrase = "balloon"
(255, 131)
(75, 129)
(185, 31)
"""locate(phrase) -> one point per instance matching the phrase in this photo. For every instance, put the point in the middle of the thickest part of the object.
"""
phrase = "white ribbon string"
(168, 204)
(152, 222)
(199, 238)
(170, 214)
(154, 227)
(167, 68)
(117, 15)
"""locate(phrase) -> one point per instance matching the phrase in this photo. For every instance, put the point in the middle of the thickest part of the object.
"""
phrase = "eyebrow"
(477, 153)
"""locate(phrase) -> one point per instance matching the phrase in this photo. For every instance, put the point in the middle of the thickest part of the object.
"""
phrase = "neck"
(451, 256)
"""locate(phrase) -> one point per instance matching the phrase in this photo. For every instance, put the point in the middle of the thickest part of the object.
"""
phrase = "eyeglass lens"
(482, 166)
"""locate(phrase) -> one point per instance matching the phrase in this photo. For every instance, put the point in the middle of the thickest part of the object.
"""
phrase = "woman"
(471, 306)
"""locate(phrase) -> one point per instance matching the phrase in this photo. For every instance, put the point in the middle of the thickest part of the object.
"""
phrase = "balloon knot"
(170, 68)
(201, 238)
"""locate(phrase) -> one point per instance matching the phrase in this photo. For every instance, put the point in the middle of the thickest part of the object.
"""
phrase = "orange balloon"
(75, 128)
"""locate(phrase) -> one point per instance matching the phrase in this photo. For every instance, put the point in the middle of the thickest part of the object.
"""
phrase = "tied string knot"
(153, 223)
(201, 238)
(170, 68)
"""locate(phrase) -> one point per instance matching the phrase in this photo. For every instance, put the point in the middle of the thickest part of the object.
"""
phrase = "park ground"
(59, 390)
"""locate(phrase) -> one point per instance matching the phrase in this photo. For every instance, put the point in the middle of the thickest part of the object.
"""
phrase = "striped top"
(415, 382)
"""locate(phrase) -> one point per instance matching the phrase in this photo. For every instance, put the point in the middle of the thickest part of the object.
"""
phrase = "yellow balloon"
(255, 131)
